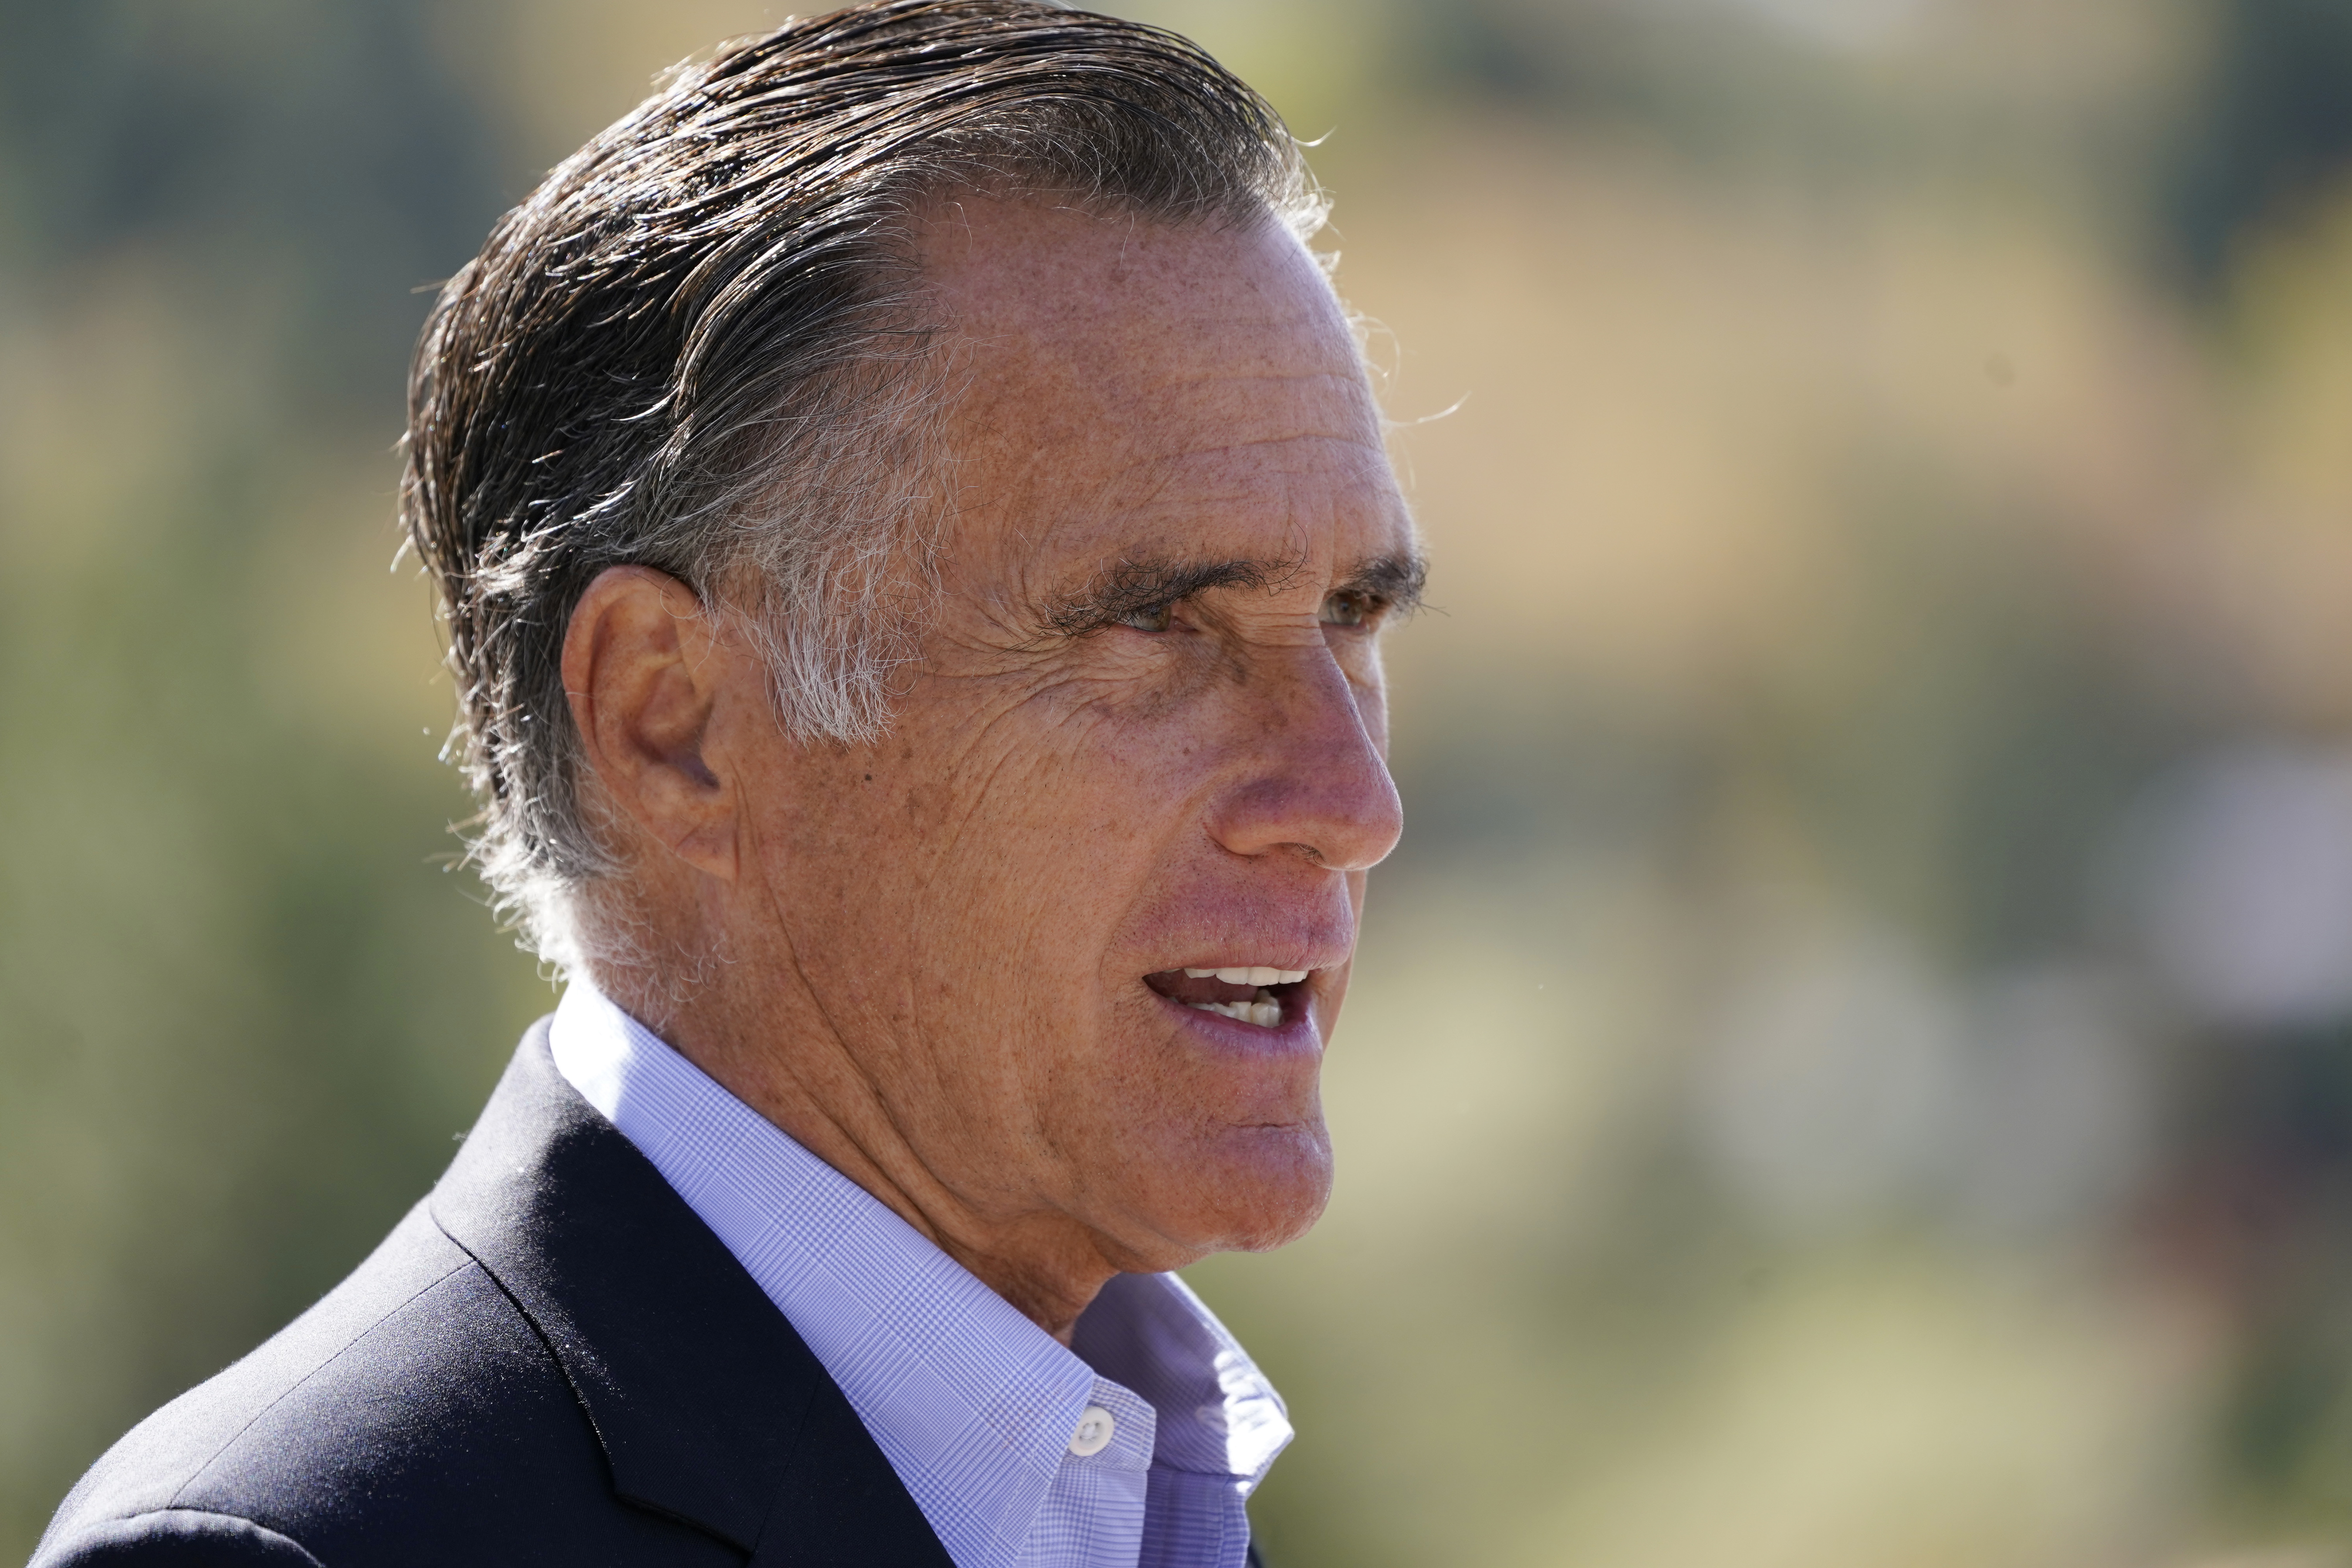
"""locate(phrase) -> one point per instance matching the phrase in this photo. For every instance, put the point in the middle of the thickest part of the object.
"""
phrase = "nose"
(1314, 783)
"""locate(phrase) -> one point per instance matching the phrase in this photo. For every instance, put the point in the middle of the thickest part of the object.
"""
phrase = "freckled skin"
(936, 943)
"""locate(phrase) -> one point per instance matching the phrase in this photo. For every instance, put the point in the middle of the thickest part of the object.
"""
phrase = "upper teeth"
(1254, 974)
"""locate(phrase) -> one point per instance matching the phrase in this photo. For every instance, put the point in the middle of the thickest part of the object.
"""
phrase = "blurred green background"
(1852, 1065)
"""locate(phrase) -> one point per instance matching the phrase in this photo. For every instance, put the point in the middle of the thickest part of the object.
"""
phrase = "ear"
(644, 669)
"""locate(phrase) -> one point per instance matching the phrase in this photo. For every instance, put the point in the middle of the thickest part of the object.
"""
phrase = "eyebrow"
(1397, 581)
(1133, 585)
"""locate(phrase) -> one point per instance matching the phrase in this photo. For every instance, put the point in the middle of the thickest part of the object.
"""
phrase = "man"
(914, 533)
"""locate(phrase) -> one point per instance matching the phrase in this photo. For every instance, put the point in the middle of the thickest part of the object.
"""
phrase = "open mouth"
(1254, 993)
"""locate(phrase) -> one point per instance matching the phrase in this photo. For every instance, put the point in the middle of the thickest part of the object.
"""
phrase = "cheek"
(1032, 850)
(1066, 819)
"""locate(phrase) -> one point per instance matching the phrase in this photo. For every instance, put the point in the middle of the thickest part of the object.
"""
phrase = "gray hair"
(699, 346)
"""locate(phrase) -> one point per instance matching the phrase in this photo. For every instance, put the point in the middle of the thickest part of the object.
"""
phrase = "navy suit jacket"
(552, 1360)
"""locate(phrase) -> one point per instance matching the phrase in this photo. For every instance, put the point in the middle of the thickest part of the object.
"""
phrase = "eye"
(1349, 607)
(1149, 619)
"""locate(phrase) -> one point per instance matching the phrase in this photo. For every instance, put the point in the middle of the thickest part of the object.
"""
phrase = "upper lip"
(1249, 934)
(1238, 957)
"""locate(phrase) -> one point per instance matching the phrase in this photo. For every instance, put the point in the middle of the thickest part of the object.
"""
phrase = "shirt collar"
(1218, 1414)
(973, 1403)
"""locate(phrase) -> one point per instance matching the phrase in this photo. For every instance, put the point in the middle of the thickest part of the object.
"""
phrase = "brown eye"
(1150, 618)
(1347, 608)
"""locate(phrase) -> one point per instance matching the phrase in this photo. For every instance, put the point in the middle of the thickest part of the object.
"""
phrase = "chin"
(1255, 1189)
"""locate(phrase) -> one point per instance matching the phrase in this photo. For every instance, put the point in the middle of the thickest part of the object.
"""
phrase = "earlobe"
(645, 675)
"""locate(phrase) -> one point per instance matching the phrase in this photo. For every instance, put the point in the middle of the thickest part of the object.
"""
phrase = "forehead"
(1129, 385)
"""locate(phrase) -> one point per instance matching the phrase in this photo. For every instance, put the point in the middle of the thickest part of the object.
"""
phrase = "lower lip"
(1297, 1031)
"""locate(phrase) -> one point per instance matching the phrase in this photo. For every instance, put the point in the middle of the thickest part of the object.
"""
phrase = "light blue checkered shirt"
(974, 1405)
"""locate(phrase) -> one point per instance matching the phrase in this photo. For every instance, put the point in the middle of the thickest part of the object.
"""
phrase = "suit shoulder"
(414, 1416)
(415, 1361)
(177, 1538)
(145, 1470)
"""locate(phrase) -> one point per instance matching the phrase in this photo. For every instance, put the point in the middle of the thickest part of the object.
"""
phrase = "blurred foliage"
(244, 1013)
(1853, 1064)
(2276, 127)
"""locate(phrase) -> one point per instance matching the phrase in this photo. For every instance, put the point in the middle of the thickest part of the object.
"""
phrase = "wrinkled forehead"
(1125, 381)
(1045, 301)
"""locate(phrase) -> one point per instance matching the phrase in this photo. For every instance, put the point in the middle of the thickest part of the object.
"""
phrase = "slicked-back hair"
(700, 346)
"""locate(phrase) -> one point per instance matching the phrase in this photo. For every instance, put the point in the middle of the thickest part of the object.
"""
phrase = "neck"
(784, 1063)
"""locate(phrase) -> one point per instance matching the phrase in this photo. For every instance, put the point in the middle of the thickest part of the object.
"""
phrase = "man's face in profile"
(1144, 737)
(1100, 781)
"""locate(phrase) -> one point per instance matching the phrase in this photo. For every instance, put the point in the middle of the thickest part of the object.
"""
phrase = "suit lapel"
(708, 1406)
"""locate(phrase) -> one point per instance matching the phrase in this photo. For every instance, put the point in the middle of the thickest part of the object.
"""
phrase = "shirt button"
(1093, 1435)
